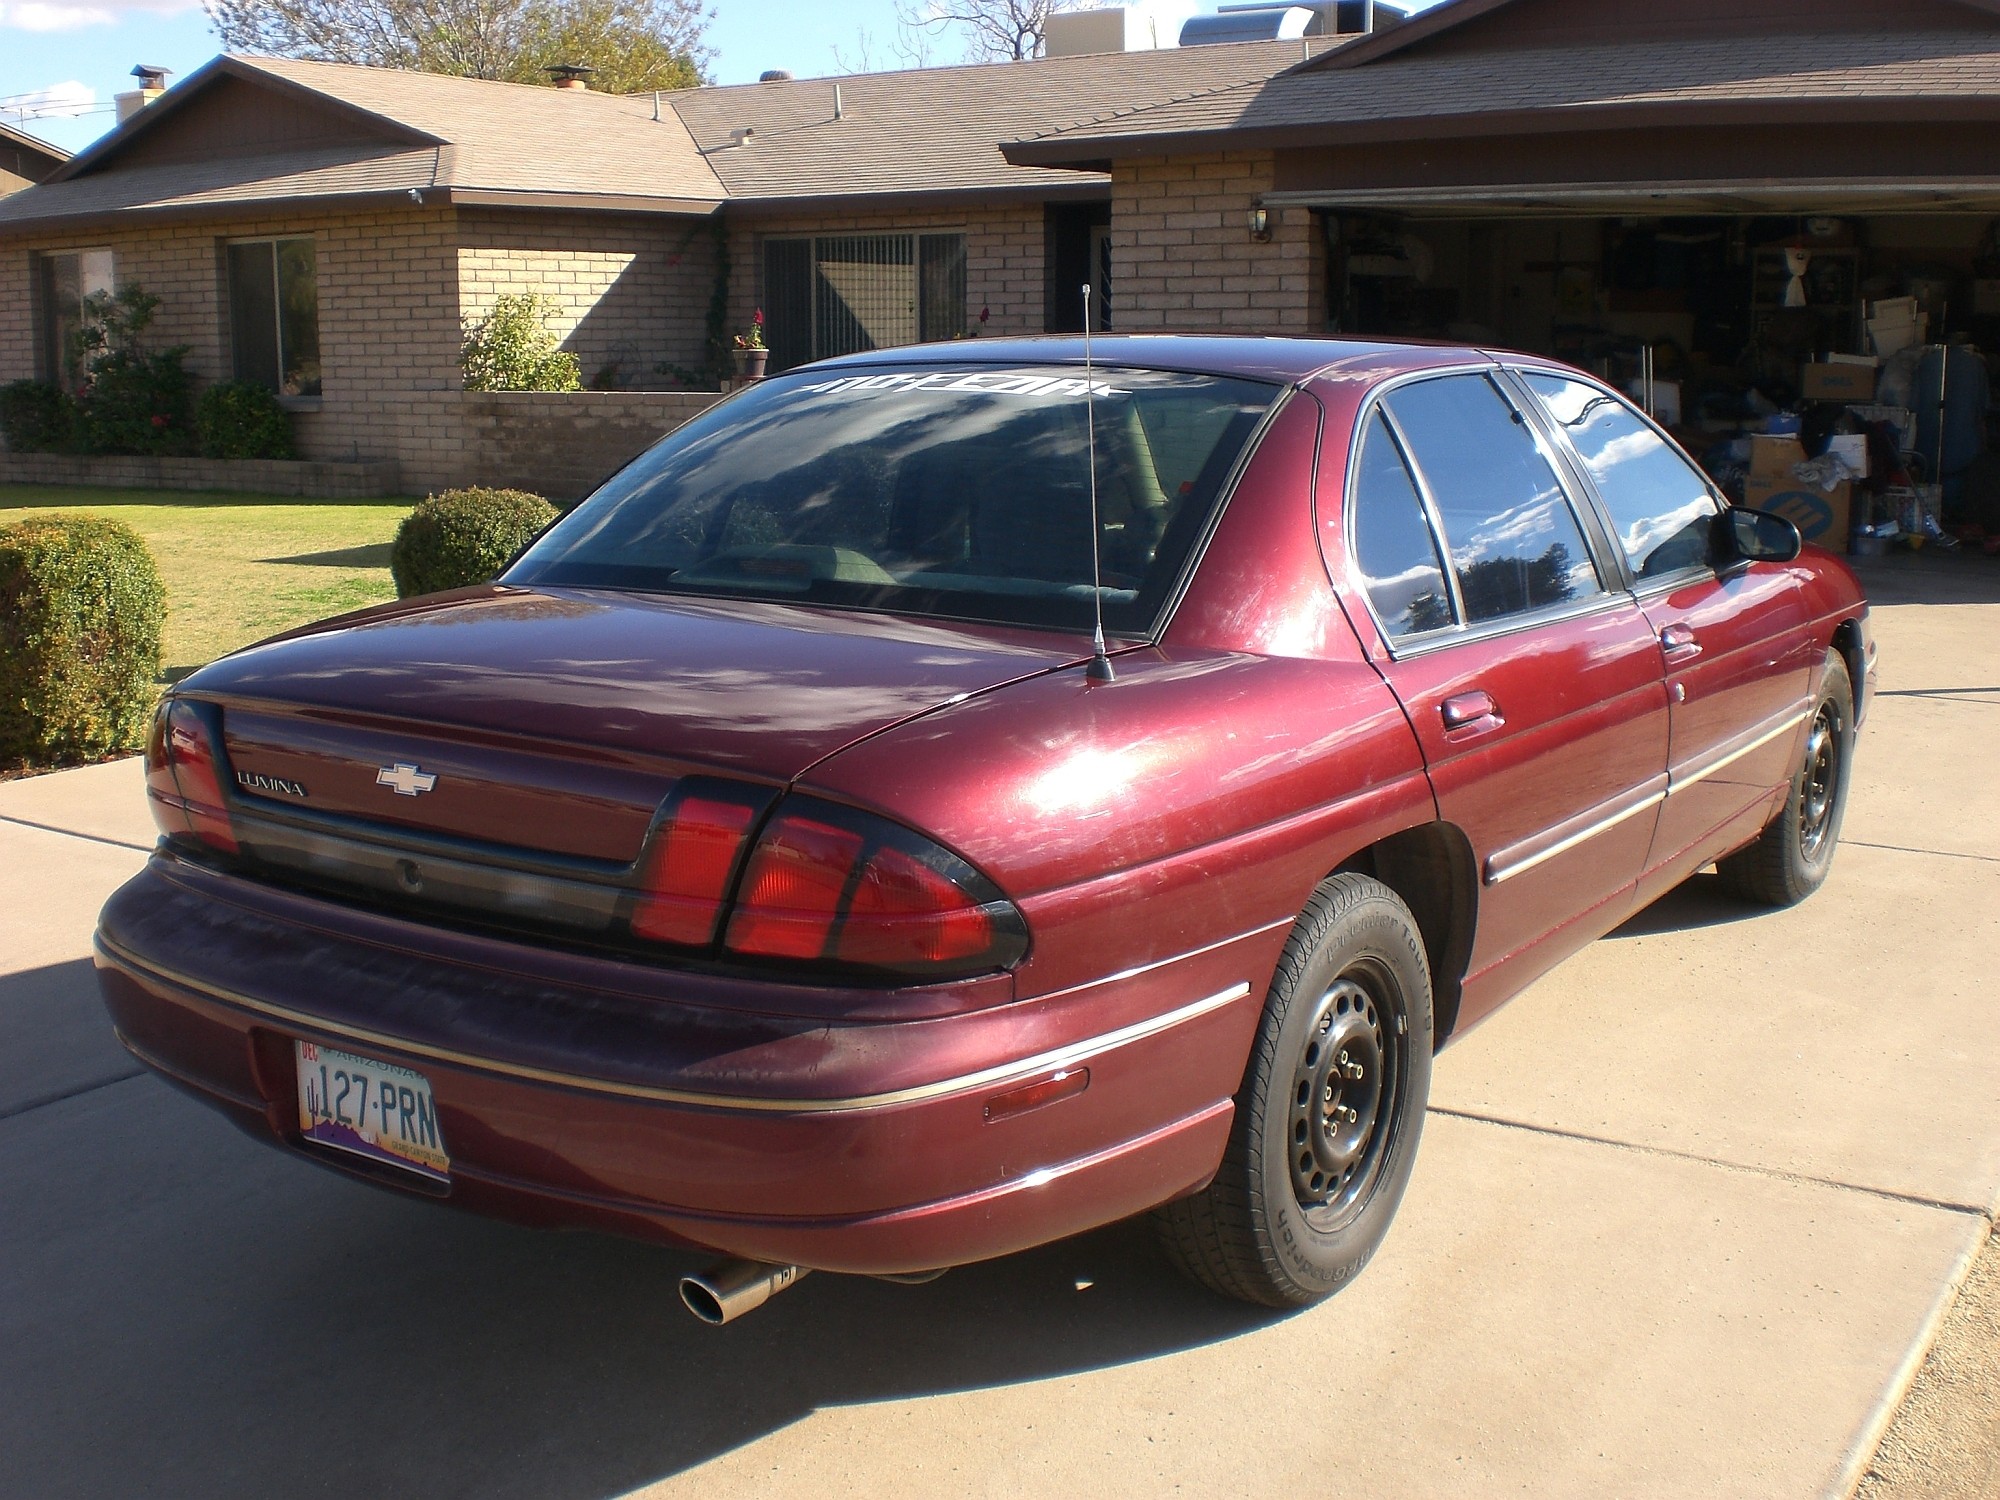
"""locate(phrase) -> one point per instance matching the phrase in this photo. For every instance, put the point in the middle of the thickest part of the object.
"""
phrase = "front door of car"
(1734, 645)
(1533, 686)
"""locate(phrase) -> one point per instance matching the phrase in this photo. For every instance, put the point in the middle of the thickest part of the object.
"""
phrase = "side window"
(1514, 541)
(1660, 507)
(1394, 550)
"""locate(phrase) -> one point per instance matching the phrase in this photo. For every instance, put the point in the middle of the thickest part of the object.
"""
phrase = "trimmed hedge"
(81, 609)
(463, 537)
(238, 419)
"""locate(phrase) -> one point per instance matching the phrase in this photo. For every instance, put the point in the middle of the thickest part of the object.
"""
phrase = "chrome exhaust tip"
(723, 1293)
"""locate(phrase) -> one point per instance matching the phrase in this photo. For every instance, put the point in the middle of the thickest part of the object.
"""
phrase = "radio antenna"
(1099, 669)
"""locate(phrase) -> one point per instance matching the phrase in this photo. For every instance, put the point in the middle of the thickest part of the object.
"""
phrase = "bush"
(463, 537)
(37, 417)
(512, 349)
(133, 400)
(236, 419)
(81, 606)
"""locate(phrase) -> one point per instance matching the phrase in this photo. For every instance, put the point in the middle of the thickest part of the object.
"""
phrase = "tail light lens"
(184, 777)
(692, 861)
(829, 884)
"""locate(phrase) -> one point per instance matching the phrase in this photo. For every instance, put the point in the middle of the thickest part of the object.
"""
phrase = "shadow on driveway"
(185, 1311)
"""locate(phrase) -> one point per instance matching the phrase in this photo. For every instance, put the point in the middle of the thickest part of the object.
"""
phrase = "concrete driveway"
(1686, 1217)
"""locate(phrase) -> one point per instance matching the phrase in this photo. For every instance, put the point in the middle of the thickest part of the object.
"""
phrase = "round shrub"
(236, 419)
(81, 606)
(37, 416)
(462, 537)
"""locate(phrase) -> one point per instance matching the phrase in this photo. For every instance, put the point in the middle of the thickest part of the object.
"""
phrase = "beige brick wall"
(564, 445)
(388, 317)
(629, 293)
(1003, 254)
(1183, 260)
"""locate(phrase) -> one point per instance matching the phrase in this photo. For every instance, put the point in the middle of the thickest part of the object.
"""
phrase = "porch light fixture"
(1260, 223)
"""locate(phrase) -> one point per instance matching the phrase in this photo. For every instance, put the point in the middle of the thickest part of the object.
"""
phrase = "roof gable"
(234, 117)
(1460, 26)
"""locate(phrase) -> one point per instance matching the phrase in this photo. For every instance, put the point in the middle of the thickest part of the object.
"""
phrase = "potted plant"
(750, 353)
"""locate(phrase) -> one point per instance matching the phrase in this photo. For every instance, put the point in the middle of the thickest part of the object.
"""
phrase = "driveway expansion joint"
(15, 1112)
(1983, 1212)
(1990, 859)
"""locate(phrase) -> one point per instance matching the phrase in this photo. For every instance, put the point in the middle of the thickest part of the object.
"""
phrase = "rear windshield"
(957, 493)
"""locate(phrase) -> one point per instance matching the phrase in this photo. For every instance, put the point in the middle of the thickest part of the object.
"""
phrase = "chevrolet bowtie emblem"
(405, 779)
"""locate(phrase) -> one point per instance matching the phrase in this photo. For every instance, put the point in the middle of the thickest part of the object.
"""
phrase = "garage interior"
(1755, 332)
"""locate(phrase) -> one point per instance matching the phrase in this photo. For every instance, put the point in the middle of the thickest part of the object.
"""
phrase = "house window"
(844, 293)
(274, 314)
(68, 277)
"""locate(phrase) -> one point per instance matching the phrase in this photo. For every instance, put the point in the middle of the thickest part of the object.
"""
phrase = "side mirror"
(1755, 536)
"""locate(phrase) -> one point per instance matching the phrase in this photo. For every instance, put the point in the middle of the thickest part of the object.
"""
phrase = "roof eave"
(624, 203)
(1099, 186)
(165, 213)
(1062, 151)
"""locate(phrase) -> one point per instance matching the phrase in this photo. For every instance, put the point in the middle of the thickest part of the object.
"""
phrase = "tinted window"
(1393, 545)
(1659, 505)
(952, 492)
(1515, 544)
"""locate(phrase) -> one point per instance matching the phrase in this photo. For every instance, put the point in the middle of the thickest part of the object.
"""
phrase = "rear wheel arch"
(1432, 868)
(1847, 641)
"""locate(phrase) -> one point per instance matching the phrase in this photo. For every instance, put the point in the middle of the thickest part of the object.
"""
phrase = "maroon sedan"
(769, 863)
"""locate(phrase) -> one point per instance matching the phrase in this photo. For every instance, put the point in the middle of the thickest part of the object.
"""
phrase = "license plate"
(372, 1109)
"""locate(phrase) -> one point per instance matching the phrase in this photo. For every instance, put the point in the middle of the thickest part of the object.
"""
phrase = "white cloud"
(58, 101)
(66, 15)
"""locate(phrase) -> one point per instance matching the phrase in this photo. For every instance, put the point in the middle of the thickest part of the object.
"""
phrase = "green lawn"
(241, 567)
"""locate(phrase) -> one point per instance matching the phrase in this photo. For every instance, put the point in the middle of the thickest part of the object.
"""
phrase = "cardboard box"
(1824, 517)
(1773, 457)
(1838, 382)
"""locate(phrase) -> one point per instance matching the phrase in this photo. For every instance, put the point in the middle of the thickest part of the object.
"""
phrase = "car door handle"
(1679, 643)
(1471, 710)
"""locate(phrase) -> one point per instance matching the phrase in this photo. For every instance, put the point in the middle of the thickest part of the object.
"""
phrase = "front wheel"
(1792, 856)
(1330, 1111)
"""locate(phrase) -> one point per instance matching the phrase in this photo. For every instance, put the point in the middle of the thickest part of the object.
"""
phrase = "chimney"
(152, 84)
(570, 75)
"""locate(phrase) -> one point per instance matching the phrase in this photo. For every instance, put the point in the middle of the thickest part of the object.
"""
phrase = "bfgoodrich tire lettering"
(1792, 856)
(1330, 1111)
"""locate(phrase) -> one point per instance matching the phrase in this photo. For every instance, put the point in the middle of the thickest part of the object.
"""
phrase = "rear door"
(1734, 646)
(1531, 679)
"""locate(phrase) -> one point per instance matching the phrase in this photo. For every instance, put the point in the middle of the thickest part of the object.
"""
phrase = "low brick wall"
(563, 444)
(306, 478)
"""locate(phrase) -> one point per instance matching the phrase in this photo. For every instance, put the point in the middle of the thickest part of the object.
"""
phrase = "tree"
(993, 30)
(632, 46)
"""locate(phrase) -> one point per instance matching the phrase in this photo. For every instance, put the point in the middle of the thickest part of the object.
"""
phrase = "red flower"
(158, 420)
(984, 314)
(757, 317)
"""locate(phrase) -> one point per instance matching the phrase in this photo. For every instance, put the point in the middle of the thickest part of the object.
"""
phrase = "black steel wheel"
(1330, 1112)
(1791, 858)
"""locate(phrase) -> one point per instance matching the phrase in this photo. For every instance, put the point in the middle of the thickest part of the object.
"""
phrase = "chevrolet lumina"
(767, 863)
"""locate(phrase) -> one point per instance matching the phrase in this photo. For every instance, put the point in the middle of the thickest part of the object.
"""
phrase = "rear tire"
(1792, 856)
(1330, 1111)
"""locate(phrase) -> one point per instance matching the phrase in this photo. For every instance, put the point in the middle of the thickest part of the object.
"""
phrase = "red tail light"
(693, 856)
(184, 778)
(830, 884)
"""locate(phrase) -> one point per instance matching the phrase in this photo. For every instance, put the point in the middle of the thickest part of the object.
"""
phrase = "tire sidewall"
(1377, 927)
(1835, 689)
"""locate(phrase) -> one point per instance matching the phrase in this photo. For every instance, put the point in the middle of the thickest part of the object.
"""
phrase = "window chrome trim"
(1523, 856)
(304, 1023)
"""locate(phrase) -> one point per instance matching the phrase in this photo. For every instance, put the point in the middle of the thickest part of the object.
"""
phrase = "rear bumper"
(570, 1097)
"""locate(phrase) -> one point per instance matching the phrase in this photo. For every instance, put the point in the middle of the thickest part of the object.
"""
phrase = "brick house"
(1604, 180)
(329, 230)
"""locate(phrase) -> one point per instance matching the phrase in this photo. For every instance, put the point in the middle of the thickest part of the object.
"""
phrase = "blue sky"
(75, 54)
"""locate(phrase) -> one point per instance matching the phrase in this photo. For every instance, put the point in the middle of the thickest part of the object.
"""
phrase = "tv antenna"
(1099, 669)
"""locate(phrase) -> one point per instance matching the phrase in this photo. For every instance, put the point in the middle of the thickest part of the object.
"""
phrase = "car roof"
(1266, 358)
